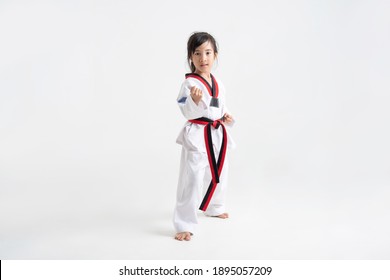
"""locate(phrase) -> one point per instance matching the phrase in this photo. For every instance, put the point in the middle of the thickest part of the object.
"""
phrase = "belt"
(215, 165)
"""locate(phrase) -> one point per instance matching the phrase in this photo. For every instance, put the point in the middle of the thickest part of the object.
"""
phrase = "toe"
(224, 216)
(179, 237)
(183, 236)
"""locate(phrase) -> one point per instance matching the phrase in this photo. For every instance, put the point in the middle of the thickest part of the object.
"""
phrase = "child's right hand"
(196, 94)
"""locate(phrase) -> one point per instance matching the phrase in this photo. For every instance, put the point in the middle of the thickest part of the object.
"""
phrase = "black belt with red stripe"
(215, 165)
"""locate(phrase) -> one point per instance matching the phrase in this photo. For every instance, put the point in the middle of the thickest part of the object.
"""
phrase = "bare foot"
(223, 216)
(183, 236)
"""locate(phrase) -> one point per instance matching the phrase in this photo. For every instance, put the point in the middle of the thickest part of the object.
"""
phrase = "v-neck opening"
(212, 80)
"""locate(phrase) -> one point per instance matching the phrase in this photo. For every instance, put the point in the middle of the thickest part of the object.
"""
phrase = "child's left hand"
(227, 119)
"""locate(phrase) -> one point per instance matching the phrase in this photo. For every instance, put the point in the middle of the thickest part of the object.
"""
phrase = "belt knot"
(216, 124)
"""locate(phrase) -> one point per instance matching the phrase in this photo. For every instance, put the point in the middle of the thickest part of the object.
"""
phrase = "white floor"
(119, 215)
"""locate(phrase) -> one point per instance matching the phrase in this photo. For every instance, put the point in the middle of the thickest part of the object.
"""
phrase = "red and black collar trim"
(212, 89)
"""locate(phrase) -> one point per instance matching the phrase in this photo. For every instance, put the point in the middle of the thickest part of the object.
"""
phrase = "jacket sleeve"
(225, 109)
(187, 106)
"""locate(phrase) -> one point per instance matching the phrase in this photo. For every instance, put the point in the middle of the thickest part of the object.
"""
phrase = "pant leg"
(189, 190)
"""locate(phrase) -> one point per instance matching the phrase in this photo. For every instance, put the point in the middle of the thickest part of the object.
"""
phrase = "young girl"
(204, 139)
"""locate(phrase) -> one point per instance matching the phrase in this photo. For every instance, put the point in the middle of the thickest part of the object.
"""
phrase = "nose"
(203, 57)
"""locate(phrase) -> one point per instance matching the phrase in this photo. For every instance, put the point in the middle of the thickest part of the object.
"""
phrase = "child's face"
(203, 58)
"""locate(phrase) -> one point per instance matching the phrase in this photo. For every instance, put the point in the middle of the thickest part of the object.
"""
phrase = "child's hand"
(227, 119)
(196, 94)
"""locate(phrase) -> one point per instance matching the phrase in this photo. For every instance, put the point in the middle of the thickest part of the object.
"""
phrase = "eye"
(196, 53)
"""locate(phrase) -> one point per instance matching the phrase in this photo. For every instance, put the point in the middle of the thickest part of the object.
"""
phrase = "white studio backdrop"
(88, 121)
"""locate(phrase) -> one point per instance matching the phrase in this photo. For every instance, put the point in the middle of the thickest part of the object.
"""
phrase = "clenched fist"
(196, 94)
(227, 119)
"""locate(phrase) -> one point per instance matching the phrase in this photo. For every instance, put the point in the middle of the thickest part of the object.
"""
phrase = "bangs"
(199, 38)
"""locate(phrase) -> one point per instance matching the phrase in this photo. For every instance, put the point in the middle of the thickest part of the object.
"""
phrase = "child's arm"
(190, 102)
(227, 117)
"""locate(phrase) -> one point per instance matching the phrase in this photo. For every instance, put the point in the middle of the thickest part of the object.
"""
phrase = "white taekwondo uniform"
(195, 173)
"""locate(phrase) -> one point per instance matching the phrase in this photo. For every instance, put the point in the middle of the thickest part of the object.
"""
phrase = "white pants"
(194, 179)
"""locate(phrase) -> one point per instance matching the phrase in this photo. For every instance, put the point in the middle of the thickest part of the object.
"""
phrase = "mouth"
(204, 65)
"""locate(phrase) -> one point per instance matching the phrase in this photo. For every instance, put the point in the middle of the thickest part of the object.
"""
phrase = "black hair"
(197, 39)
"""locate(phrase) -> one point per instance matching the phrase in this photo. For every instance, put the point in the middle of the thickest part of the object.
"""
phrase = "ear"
(216, 55)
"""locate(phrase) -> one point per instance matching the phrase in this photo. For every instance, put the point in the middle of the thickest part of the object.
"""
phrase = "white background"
(88, 122)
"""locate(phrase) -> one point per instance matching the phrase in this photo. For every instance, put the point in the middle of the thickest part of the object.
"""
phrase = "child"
(204, 139)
